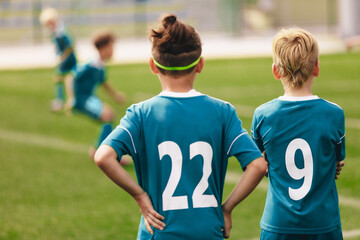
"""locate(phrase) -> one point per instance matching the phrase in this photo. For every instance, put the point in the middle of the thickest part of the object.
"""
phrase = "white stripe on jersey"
(234, 141)
(340, 139)
(252, 134)
(130, 137)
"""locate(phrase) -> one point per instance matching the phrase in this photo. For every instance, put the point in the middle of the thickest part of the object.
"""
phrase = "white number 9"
(296, 173)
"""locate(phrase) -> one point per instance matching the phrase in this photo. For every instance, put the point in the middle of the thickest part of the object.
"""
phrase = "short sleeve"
(340, 144)
(239, 143)
(65, 39)
(255, 132)
(124, 138)
(104, 74)
(62, 42)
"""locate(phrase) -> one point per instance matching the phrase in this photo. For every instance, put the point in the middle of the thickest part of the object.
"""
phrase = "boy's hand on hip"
(339, 166)
(151, 217)
(227, 223)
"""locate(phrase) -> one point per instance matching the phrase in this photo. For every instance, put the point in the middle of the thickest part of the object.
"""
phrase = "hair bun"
(169, 20)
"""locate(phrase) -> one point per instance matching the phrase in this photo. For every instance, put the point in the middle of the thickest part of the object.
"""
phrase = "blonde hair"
(295, 54)
(48, 14)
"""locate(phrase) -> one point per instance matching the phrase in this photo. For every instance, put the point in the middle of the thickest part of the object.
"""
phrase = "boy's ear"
(200, 65)
(276, 72)
(153, 67)
(317, 68)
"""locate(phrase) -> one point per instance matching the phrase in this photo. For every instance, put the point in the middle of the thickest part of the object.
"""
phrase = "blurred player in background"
(304, 139)
(180, 141)
(86, 80)
(352, 42)
(62, 39)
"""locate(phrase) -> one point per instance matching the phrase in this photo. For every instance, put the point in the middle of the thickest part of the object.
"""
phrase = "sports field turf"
(50, 189)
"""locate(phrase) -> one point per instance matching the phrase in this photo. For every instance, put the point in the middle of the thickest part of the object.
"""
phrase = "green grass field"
(50, 189)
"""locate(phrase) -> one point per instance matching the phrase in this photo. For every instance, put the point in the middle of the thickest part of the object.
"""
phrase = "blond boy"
(304, 138)
(49, 18)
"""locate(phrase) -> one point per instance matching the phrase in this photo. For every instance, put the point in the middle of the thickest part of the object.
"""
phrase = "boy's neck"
(301, 92)
(102, 57)
(305, 90)
(179, 84)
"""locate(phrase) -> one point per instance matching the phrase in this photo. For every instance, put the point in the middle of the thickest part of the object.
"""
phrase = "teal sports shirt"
(86, 80)
(63, 40)
(303, 138)
(180, 144)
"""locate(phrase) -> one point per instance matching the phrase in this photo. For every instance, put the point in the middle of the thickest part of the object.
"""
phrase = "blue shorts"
(68, 65)
(92, 107)
(334, 235)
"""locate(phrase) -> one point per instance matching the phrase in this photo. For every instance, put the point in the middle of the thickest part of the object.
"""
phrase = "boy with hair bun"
(180, 142)
(303, 137)
(49, 18)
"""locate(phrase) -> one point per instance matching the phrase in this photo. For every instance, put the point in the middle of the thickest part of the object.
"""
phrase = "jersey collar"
(191, 93)
(97, 62)
(59, 28)
(293, 99)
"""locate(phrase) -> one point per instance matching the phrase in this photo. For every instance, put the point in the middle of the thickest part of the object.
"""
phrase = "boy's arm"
(340, 145)
(118, 97)
(106, 160)
(66, 42)
(66, 53)
(253, 174)
(69, 80)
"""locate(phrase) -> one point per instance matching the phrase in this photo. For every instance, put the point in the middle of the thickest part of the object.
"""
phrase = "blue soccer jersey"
(86, 79)
(62, 40)
(180, 144)
(303, 138)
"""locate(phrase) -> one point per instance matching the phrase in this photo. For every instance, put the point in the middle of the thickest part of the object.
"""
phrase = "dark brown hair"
(103, 39)
(175, 44)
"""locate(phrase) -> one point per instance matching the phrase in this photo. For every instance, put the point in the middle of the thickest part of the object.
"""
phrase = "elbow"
(264, 168)
(99, 159)
(104, 156)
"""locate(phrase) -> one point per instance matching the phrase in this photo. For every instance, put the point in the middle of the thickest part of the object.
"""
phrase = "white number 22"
(199, 199)
(296, 173)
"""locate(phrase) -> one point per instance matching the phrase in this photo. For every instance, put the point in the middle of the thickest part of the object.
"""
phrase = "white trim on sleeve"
(252, 135)
(234, 141)
(132, 141)
(340, 139)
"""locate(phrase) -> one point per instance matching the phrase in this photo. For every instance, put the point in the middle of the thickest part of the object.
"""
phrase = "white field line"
(232, 177)
(352, 123)
(351, 233)
(349, 202)
(42, 141)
